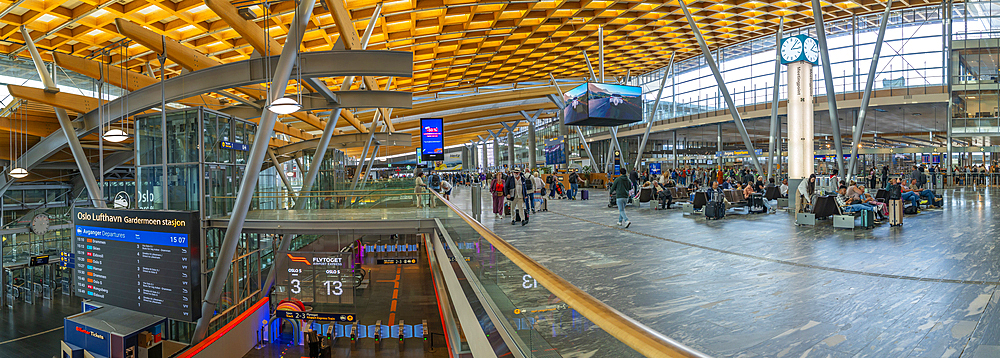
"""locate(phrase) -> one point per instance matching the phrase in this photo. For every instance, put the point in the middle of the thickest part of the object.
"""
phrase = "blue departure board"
(142, 260)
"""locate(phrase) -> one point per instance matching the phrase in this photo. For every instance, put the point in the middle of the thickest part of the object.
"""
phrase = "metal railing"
(493, 263)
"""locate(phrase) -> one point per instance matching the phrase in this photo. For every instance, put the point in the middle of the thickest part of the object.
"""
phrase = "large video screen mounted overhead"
(432, 139)
(601, 104)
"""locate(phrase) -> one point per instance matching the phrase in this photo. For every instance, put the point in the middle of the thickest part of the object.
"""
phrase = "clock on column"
(799, 48)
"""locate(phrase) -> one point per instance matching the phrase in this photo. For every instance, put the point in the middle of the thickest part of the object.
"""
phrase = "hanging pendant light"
(284, 105)
(18, 173)
(115, 135)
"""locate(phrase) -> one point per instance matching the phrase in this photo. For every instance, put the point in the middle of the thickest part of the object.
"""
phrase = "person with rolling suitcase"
(895, 203)
(538, 185)
(517, 189)
(715, 209)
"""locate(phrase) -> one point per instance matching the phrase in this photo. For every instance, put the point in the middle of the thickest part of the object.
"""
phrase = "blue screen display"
(432, 139)
(654, 168)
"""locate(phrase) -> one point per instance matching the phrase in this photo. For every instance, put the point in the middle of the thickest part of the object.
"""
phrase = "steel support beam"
(482, 165)
(722, 85)
(617, 146)
(532, 159)
(600, 51)
(510, 144)
(496, 148)
(282, 73)
(314, 64)
(593, 77)
(364, 153)
(946, 43)
(674, 146)
(652, 113)
(867, 95)
(281, 174)
(79, 156)
(583, 139)
(368, 171)
(831, 95)
(773, 132)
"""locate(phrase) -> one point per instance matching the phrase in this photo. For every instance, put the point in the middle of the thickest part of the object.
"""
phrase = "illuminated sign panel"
(432, 139)
(142, 260)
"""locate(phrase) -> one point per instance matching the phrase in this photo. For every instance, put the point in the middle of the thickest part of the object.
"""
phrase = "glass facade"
(199, 143)
(912, 56)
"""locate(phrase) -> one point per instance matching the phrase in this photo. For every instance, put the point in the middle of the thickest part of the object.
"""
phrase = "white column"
(800, 120)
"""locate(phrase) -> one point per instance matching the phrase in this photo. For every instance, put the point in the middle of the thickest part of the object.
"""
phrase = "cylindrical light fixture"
(284, 105)
(18, 173)
(115, 135)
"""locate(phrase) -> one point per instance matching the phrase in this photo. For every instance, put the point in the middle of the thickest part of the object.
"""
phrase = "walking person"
(620, 188)
(517, 189)
(574, 179)
(420, 187)
(538, 185)
(497, 187)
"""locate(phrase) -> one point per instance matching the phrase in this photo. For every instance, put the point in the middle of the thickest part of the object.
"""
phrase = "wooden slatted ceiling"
(456, 43)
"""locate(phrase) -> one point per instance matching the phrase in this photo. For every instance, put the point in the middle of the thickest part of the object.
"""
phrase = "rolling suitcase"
(867, 219)
(757, 204)
(584, 194)
(895, 212)
(544, 205)
(506, 208)
(715, 210)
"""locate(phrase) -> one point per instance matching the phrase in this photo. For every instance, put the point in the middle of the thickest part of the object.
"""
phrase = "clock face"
(811, 49)
(790, 49)
(40, 224)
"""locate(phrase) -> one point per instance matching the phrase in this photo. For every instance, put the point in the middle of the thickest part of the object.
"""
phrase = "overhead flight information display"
(142, 260)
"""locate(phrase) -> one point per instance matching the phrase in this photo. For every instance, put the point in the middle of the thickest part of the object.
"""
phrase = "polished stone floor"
(35, 329)
(759, 286)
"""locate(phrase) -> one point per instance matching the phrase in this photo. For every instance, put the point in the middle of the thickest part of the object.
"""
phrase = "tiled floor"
(758, 285)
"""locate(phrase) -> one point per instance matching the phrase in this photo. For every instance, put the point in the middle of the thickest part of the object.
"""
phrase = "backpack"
(910, 210)
(435, 181)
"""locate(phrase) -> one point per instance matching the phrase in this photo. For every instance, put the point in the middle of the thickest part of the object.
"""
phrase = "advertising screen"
(615, 102)
(142, 260)
(654, 168)
(554, 151)
(602, 104)
(577, 108)
(432, 139)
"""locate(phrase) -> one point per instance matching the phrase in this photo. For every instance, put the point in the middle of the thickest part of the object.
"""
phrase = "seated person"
(928, 194)
(907, 193)
(663, 195)
(783, 189)
(881, 209)
(758, 186)
(694, 185)
(747, 190)
(646, 185)
(728, 184)
(671, 183)
(715, 193)
(848, 205)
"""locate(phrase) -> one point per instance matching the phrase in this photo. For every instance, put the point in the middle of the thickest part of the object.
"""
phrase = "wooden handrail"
(627, 330)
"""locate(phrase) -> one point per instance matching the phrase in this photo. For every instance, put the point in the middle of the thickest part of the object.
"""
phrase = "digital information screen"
(316, 277)
(142, 260)
(432, 139)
